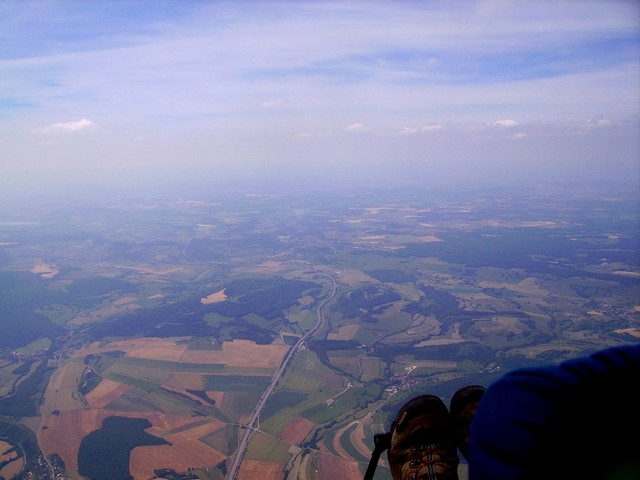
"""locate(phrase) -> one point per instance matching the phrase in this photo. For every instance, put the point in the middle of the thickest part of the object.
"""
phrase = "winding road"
(250, 427)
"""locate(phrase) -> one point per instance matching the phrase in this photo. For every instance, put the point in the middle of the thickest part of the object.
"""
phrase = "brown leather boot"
(463, 406)
(422, 443)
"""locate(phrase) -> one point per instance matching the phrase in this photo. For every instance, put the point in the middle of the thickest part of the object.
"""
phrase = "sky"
(97, 93)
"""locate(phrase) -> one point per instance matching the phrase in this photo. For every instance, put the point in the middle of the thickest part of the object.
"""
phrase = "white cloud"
(68, 127)
(357, 127)
(312, 135)
(271, 104)
(599, 121)
(409, 131)
(431, 127)
(505, 123)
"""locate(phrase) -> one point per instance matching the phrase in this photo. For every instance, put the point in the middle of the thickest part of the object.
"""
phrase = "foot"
(463, 406)
(422, 443)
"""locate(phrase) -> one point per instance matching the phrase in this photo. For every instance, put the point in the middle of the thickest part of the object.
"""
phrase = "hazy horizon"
(100, 94)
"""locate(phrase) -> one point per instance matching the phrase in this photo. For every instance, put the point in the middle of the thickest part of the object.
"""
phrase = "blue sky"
(439, 91)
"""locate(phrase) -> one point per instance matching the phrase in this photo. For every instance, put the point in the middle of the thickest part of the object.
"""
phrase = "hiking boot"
(463, 406)
(422, 444)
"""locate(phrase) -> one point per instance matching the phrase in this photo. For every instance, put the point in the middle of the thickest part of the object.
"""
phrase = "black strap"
(381, 442)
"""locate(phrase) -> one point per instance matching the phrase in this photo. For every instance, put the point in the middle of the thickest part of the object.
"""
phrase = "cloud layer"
(68, 127)
(186, 79)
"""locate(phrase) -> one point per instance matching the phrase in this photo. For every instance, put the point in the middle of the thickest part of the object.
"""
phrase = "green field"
(235, 383)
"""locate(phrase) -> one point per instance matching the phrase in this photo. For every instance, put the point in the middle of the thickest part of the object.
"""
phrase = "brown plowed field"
(297, 430)
(335, 468)
(255, 469)
(105, 393)
(183, 381)
(152, 348)
(189, 453)
(239, 353)
(65, 432)
(332, 380)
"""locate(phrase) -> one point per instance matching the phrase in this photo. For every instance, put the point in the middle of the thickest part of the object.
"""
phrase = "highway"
(253, 422)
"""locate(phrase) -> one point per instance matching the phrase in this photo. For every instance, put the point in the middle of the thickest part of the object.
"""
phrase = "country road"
(250, 427)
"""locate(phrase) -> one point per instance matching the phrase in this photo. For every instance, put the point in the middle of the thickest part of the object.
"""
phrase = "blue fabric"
(579, 419)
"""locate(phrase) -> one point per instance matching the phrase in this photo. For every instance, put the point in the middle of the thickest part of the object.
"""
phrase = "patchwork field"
(184, 323)
(165, 382)
(251, 469)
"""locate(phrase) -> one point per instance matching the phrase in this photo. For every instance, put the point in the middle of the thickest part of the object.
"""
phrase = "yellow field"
(216, 297)
(11, 469)
(62, 393)
(354, 277)
(45, 270)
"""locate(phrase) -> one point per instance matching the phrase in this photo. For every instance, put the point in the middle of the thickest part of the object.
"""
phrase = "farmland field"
(136, 385)
(186, 327)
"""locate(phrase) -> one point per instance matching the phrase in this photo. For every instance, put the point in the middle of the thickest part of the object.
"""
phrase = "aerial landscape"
(186, 317)
(244, 267)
